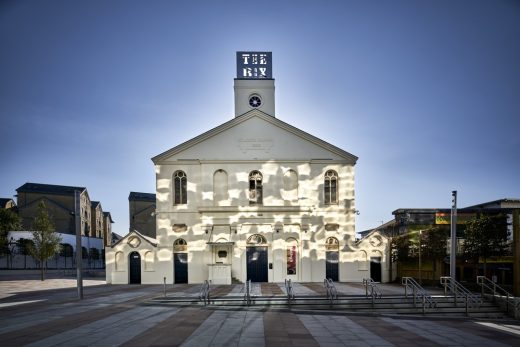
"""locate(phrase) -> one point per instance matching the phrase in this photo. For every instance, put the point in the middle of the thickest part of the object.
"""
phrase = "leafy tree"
(9, 221)
(485, 237)
(434, 243)
(400, 246)
(46, 241)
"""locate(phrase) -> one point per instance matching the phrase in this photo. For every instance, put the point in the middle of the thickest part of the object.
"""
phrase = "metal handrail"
(247, 292)
(204, 292)
(289, 290)
(332, 293)
(375, 291)
(419, 294)
(499, 292)
(459, 291)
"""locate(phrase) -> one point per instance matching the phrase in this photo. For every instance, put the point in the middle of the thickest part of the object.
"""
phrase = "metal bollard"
(164, 286)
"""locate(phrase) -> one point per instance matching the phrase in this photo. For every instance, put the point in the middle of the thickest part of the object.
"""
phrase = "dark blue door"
(331, 265)
(375, 269)
(256, 264)
(180, 267)
(135, 268)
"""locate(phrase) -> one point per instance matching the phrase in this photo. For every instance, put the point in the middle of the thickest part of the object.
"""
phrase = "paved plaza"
(48, 313)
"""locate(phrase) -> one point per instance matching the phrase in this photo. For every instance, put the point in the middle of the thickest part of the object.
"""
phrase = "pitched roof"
(4, 201)
(94, 203)
(141, 196)
(48, 189)
(248, 115)
(107, 214)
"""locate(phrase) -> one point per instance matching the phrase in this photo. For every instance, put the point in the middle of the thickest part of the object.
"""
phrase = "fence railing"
(500, 295)
(332, 293)
(419, 294)
(459, 291)
(372, 289)
(247, 293)
(289, 290)
(204, 292)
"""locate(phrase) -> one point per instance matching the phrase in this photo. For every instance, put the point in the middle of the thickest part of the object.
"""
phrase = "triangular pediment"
(255, 136)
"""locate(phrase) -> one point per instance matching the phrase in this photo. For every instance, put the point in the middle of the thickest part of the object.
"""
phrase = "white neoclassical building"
(254, 198)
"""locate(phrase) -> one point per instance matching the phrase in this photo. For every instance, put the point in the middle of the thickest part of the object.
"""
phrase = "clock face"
(255, 101)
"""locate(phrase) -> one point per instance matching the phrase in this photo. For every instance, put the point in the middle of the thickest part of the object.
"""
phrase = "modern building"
(142, 213)
(253, 199)
(416, 220)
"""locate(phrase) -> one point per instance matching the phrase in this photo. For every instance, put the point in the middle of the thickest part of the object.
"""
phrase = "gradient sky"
(425, 93)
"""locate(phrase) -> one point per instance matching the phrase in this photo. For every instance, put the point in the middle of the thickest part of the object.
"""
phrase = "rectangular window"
(291, 260)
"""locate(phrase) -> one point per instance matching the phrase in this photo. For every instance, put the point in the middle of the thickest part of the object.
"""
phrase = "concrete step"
(397, 304)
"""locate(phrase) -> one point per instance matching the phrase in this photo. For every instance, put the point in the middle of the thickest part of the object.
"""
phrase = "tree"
(9, 221)
(46, 243)
(485, 237)
(434, 242)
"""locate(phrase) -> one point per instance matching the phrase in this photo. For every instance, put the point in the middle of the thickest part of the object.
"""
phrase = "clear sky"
(425, 93)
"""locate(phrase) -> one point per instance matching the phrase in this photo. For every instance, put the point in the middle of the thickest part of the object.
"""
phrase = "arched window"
(119, 261)
(291, 255)
(220, 188)
(332, 244)
(180, 245)
(256, 239)
(331, 187)
(179, 187)
(255, 188)
(290, 185)
(149, 261)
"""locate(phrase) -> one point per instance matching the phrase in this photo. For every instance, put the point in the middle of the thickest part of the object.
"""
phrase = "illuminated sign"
(254, 65)
(445, 218)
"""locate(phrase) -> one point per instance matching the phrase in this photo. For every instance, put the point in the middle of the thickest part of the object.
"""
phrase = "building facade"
(142, 213)
(252, 199)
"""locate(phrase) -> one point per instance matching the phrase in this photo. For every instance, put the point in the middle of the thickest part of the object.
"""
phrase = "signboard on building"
(445, 218)
(254, 65)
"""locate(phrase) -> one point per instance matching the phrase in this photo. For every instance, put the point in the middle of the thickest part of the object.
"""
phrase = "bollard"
(164, 286)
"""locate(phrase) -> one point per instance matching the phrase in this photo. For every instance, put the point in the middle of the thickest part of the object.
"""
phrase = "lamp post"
(420, 259)
(79, 256)
(453, 235)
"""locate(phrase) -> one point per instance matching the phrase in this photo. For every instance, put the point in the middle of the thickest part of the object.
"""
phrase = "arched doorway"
(135, 268)
(375, 267)
(332, 259)
(180, 261)
(256, 258)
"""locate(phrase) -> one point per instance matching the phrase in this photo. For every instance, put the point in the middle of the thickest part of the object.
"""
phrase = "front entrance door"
(375, 269)
(180, 267)
(256, 264)
(135, 268)
(331, 265)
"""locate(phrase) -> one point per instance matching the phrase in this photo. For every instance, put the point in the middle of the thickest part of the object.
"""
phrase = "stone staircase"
(343, 304)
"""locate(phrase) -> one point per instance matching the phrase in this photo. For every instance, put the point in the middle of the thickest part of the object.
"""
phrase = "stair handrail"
(247, 292)
(497, 291)
(459, 291)
(419, 293)
(375, 290)
(289, 291)
(204, 292)
(332, 293)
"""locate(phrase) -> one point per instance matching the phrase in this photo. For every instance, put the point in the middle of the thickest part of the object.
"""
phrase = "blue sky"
(425, 93)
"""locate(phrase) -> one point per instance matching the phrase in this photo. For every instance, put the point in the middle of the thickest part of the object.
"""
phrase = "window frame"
(255, 191)
(180, 188)
(330, 188)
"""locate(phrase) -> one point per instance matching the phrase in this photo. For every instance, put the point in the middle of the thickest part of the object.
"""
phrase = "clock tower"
(254, 85)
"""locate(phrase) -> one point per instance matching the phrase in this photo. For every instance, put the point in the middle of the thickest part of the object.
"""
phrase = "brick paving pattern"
(40, 315)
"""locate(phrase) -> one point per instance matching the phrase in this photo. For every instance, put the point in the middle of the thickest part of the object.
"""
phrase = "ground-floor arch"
(134, 268)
